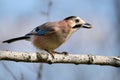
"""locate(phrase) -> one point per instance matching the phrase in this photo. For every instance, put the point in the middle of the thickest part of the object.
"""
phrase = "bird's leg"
(50, 52)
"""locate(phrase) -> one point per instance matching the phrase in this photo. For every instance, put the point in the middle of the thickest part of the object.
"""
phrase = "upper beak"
(87, 25)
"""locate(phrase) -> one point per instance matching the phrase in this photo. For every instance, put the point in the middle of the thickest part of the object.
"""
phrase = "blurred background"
(18, 17)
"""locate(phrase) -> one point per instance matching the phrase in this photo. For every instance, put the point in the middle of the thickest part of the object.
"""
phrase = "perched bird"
(51, 35)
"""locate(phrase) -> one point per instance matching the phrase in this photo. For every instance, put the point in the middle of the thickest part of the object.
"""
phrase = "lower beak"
(87, 25)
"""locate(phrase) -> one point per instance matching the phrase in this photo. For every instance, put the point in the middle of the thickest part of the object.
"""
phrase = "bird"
(52, 35)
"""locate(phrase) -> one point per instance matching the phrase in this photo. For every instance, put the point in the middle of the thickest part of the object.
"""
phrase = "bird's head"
(76, 23)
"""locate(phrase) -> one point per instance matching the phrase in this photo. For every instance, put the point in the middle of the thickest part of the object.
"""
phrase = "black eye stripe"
(77, 26)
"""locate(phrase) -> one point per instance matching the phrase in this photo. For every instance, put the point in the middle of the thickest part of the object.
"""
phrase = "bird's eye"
(77, 20)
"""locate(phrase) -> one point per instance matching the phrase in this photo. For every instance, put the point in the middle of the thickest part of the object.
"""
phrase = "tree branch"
(59, 58)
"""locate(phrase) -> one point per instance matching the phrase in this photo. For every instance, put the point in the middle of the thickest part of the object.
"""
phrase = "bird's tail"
(16, 39)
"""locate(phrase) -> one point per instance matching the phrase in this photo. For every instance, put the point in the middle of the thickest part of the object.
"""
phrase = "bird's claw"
(65, 53)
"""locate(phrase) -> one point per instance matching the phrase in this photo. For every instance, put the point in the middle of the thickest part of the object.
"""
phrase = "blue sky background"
(18, 17)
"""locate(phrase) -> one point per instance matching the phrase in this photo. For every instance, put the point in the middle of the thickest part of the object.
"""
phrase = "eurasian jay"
(51, 35)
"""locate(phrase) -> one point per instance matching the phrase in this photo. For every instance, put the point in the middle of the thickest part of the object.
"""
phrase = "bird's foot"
(65, 53)
(54, 52)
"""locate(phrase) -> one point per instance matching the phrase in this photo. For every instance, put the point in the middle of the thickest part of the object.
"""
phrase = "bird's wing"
(44, 29)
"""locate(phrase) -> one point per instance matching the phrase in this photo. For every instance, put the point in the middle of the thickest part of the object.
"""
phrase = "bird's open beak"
(87, 25)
